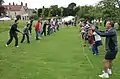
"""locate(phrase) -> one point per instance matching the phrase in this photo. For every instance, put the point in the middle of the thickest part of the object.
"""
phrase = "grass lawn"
(59, 56)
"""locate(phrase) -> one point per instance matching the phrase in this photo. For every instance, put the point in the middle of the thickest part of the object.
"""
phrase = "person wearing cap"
(13, 34)
(26, 33)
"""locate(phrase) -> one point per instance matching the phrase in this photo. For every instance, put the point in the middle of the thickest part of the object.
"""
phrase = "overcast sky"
(47, 3)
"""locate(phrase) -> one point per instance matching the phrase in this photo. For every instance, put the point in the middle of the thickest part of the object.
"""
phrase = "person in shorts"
(111, 48)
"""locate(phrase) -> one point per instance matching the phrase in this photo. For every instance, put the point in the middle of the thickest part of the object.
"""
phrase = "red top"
(37, 26)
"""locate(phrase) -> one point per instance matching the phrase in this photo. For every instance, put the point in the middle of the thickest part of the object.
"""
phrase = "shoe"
(109, 71)
(40, 38)
(105, 75)
(95, 54)
(6, 45)
(17, 46)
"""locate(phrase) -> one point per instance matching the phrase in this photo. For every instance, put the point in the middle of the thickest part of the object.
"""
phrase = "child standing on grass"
(26, 33)
(91, 38)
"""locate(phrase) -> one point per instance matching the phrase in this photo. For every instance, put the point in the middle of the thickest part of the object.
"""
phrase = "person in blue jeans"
(96, 44)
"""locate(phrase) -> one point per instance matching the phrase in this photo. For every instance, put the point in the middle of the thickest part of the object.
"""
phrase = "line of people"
(94, 35)
(91, 36)
(27, 31)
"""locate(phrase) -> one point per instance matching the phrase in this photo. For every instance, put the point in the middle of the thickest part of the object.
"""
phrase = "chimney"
(25, 4)
(9, 3)
(13, 3)
(21, 3)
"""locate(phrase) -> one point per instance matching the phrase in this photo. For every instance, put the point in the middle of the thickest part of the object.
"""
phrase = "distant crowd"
(87, 34)
(48, 28)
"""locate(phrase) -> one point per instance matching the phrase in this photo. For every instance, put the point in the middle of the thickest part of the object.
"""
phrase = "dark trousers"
(44, 32)
(30, 30)
(23, 38)
(11, 38)
(58, 27)
(95, 47)
(48, 32)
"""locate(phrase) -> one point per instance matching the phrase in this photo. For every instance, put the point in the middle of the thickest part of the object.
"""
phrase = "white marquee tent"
(5, 19)
(68, 18)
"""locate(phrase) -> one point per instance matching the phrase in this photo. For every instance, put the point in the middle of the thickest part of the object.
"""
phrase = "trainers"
(105, 75)
(6, 45)
(95, 54)
(109, 71)
(17, 46)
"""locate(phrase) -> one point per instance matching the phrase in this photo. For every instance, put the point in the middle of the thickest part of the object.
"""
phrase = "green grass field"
(59, 56)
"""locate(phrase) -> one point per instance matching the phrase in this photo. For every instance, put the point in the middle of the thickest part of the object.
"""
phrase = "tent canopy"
(5, 19)
(68, 18)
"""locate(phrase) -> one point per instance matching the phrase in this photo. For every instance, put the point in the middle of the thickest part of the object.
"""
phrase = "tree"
(43, 11)
(54, 10)
(110, 9)
(118, 2)
(71, 5)
(39, 12)
(71, 8)
(76, 9)
(65, 12)
(46, 12)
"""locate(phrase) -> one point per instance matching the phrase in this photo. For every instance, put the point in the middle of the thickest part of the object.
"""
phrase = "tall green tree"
(118, 2)
(71, 7)
(39, 12)
(55, 10)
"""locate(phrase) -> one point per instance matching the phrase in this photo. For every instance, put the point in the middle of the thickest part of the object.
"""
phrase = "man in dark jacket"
(44, 29)
(111, 48)
(30, 26)
(13, 34)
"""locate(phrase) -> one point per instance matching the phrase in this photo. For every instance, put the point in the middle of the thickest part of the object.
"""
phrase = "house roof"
(13, 7)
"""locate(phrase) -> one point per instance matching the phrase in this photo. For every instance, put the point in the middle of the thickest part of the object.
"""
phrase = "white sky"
(47, 3)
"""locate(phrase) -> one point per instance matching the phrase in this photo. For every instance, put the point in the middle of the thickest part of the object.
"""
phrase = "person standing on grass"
(82, 30)
(111, 48)
(97, 43)
(26, 33)
(38, 30)
(48, 28)
(44, 29)
(30, 26)
(91, 38)
(13, 34)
